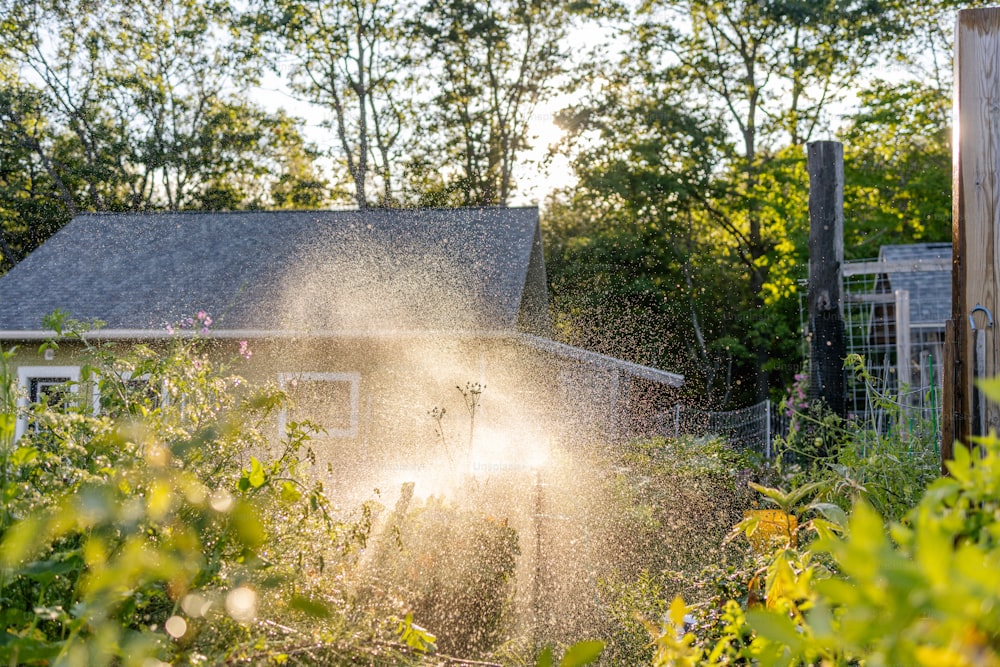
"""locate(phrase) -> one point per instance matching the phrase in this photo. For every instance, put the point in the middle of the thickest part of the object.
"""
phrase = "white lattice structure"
(895, 308)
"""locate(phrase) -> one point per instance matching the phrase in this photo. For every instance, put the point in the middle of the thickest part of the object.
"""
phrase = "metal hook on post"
(980, 309)
(979, 367)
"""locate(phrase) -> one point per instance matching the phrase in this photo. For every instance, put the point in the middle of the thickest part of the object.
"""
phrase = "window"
(135, 390)
(49, 383)
(329, 400)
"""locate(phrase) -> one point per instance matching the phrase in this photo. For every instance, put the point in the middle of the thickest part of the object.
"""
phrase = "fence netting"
(751, 428)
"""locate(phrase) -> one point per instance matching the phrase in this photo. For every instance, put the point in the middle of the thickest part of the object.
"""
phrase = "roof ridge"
(200, 212)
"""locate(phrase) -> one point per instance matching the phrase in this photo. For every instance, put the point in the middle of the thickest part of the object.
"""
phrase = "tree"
(897, 167)
(631, 270)
(771, 69)
(343, 57)
(32, 206)
(492, 63)
(131, 106)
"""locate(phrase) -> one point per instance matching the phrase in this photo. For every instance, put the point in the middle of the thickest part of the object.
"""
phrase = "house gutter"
(246, 334)
(601, 360)
(536, 342)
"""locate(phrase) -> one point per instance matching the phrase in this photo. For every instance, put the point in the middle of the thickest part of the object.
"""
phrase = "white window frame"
(353, 377)
(25, 374)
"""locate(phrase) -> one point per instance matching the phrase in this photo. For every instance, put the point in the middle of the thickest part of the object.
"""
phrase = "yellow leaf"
(677, 611)
(990, 388)
(160, 500)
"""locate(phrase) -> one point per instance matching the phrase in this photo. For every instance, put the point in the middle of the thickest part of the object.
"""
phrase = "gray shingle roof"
(930, 291)
(458, 269)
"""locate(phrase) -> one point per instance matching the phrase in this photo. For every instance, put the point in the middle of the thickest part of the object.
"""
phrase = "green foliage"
(577, 655)
(922, 596)
(449, 566)
(897, 167)
(345, 56)
(674, 502)
(168, 523)
(887, 462)
(846, 589)
(414, 636)
(493, 64)
(134, 106)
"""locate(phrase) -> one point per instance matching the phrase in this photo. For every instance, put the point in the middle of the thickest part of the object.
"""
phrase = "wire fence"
(894, 313)
(753, 428)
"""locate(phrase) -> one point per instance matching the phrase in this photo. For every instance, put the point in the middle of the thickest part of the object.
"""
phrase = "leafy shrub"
(170, 526)
(671, 502)
(452, 568)
(886, 465)
(924, 592)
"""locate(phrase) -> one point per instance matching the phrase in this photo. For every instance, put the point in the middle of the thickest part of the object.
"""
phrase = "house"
(370, 319)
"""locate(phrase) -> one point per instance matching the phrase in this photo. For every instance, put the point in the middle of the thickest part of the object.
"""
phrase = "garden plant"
(160, 522)
(860, 585)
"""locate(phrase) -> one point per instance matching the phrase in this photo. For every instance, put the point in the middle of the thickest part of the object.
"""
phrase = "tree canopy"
(685, 129)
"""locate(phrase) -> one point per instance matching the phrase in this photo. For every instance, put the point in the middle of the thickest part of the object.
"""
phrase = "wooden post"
(950, 419)
(826, 257)
(904, 381)
(976, 220)
(903, 339)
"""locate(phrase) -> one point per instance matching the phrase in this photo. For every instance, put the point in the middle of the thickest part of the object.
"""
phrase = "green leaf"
(256, 476)
(415, 636)
(776, 628)
(544, 658)
(826, 530)
(28, 649)
(582, 653)
(310, 607)
(7, 423)
(777, 496)
(44, 571)
(23, 456)
(289, 492)
(249, 529)
(831, 513)
(796, 496)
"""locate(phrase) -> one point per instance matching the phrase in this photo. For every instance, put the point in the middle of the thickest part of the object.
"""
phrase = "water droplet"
(241, 603)
(175, 626)
(221, 500)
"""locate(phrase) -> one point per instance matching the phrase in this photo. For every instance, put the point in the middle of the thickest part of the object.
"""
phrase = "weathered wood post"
(904, 379)
(975, 226)
(826, 258)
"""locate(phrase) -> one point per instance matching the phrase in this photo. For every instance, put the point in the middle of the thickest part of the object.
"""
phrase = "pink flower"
(170, 330)
(245, 349)
(202, 315)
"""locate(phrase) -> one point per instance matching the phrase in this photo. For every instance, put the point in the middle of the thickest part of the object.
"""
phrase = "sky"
(536, 179)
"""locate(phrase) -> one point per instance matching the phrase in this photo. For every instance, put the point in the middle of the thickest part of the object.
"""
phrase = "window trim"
(352, 377)
(25, 374)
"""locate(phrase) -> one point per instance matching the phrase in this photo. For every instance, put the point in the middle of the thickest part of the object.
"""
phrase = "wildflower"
(245, 349)
(202, 315)
(170, 330)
